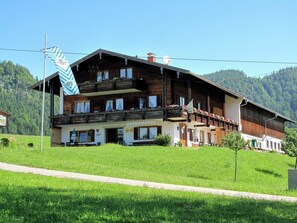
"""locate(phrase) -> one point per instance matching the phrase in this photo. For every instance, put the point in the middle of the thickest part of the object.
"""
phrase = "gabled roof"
(163, 66)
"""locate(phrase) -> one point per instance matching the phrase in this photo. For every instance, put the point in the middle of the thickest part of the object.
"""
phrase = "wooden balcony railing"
(109, 85)
(177, 113)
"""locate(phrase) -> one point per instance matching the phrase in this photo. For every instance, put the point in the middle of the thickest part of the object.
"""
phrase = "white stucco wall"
(232, 109)
(276, 143)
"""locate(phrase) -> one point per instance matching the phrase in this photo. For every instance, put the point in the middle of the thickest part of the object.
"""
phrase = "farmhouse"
(130, 101)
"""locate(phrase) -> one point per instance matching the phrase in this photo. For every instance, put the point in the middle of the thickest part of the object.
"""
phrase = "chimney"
(151, 57)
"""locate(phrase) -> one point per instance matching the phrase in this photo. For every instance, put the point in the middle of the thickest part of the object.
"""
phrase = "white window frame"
(152, 101)
(109, 102)
(99, 76)
(85, 107)
(119, 104)
(141, 103)
(126, 73)
(105, 75)
(153, 132)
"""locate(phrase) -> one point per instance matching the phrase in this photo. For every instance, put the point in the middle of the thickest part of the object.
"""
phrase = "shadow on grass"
(268, 172)
(291, 165)
(25, 204)
(197, 176)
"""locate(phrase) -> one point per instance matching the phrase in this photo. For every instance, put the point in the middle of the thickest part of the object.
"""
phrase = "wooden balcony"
(112, 116)
(179, 113)
(173, 114)
(131, 84)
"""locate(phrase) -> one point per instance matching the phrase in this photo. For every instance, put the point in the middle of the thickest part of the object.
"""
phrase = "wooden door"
(56, 137)
(183, 134)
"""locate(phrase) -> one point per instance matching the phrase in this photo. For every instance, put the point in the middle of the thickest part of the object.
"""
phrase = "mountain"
(23, 104)
(277, 91)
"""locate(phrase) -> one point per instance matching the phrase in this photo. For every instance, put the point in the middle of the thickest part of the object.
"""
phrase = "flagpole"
(43, 95)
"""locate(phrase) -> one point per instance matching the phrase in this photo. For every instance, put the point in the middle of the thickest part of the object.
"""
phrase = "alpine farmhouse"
(130, 101)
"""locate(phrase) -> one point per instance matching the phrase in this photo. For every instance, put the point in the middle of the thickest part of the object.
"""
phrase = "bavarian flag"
(65, 73)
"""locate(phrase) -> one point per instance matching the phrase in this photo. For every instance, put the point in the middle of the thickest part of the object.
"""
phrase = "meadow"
(212, 167)
(35, 199)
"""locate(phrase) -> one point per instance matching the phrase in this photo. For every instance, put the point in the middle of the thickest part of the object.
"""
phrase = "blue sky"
(237, 30)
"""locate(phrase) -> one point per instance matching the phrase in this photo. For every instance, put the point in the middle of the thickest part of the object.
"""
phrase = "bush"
(179, 144)
(163, 140)
(4, 142)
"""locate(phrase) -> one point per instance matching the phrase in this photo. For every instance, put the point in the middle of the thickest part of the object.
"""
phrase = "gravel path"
(88, 177)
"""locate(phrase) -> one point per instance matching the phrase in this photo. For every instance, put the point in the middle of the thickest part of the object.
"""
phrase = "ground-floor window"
(147, 132)
(82, 136)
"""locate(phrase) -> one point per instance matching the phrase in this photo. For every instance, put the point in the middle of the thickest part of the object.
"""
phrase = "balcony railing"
(176, 113)
(109, 85)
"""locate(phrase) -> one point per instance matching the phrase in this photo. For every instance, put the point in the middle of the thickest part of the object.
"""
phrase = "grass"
(207, 166)
(34, 199)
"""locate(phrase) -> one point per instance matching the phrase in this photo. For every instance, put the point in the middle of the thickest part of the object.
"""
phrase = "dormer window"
(126, 73)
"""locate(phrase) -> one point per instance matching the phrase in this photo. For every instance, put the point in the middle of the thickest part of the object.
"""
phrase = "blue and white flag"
(65, 73)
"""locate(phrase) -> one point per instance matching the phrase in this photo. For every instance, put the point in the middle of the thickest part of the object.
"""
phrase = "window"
(142, 133)
(152, 101)
(102, 75)
(182, 101)
(141, 103)
(83, 136)
(153, 131)
(126, 73)
(106, 75)
(119, 104)
(109, 105)
(271, 144)
(82, 106)
(192, 134)
(267, 144)
(275, 146)
(99, 76)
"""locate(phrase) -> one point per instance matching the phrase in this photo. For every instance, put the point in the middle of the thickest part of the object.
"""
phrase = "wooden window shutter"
(91, 106)
(191, 134)
(159, 100)
(135, 133)
(135, 102)
(159, 130)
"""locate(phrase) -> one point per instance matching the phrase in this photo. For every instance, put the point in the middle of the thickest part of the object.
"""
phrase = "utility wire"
(172, 58)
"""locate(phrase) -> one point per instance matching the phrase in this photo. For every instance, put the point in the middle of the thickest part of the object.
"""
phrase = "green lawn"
(207, 166)
(35, 199)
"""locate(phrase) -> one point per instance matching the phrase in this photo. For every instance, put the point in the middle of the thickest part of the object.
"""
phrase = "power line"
(172, 58)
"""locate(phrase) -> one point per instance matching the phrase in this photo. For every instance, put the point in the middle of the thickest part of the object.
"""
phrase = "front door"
(183, 134)
(114, 135)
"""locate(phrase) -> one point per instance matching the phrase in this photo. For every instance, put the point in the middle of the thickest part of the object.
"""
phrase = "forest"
(276, 91)
(22, 103)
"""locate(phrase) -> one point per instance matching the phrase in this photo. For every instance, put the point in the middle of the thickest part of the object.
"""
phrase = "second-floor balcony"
(117, 84)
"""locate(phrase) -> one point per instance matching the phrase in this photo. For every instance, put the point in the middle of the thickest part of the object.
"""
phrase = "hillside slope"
(23, 104)
(277, 91)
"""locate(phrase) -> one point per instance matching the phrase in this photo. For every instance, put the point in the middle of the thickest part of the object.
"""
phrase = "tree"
(235, 142)
(290, 143)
